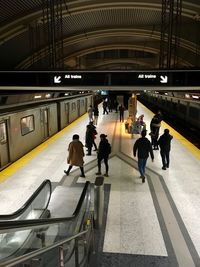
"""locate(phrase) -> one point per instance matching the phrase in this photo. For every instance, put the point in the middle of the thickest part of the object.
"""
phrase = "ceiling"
(94, 35)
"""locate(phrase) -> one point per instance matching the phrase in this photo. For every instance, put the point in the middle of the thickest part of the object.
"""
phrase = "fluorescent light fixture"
(66, 93)
(37, 96)
(195, 96)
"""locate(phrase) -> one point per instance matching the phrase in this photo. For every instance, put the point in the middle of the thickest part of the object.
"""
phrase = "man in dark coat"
(104, 150)
(121, 113)
(94, 133)
(89, 139)
(165, 145)
(155, 127)
(142, 147)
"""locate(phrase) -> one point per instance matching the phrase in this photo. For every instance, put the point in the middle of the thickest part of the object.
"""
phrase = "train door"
(4, 144)
(86, 104)
(45, 122)
(78, 107)
(67, 113)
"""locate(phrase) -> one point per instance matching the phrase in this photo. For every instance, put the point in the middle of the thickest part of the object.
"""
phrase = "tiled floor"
(145, 222)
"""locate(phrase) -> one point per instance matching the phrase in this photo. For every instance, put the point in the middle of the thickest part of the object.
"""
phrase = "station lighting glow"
(37, 96)
(195, 96)
(48, 95)
(187, 96)
(66, 93)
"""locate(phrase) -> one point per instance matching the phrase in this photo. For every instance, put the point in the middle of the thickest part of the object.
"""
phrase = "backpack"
(109, 148)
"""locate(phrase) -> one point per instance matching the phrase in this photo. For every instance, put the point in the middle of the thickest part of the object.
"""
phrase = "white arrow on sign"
(57, 79)
(163, 79)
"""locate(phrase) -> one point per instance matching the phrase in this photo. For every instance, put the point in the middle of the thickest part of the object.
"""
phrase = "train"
(24, 128)
(187, 111)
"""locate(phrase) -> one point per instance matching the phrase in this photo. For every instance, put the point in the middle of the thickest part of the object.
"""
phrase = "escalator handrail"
(30, 255)
(35, 223)
(21, 210)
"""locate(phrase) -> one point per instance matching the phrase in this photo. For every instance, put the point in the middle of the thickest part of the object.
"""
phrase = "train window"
(73, 106)
(82, 103)
(27, 125)
(67, 107)
(45, 116)
(3, 135)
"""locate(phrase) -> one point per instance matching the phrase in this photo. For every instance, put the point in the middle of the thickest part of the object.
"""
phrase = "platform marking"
(177, 235)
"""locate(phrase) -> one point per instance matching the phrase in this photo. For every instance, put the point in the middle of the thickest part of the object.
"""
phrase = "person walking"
(96, 114)
(164, 143)
(104, 150)
(90, 113)
(75, 156)
(142, 147)
(105, 111)
(94, 133)
(155, 127)
(121, 113)
(89, 139)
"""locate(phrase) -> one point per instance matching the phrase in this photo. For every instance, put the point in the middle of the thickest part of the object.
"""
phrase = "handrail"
(20, 259)
(34, 223)
(28, 202)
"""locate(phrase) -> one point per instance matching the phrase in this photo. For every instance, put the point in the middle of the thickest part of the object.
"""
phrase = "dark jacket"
(143, 147)
(103, 149)
(156, 121)
(165, 142)
(96, 111)
(89, 137)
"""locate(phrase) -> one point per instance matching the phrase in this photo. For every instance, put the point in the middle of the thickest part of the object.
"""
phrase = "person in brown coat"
(76, 154)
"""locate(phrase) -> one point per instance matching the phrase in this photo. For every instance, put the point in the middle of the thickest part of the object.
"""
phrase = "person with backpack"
(94, 133)
(155, 127)
(104, 150)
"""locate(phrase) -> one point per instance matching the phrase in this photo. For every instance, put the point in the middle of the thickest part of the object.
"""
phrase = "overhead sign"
(163, 79)
(102, 78)
(57, 79)
(153, 77)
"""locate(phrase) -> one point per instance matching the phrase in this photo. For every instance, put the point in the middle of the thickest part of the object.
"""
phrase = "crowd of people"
(76, 148)
(142, 147)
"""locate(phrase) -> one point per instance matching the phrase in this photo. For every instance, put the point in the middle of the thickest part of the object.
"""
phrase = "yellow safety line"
(4, 174)
(193, 149)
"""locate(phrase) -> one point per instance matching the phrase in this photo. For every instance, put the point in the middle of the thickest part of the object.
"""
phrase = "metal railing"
(60, 237)
(34, 254)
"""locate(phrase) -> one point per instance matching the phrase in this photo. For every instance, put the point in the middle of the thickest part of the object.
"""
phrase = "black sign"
(101, 78)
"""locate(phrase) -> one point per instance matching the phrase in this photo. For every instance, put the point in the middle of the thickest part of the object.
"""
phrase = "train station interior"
(58, 59)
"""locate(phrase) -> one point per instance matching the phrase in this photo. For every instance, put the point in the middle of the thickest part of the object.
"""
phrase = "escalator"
(29, 237)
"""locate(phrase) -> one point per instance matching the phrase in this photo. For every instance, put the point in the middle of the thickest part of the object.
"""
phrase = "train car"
(27, 127)
(23, 130)
(186, 110)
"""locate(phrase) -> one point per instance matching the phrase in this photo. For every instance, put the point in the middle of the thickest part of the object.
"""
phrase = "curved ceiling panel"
(89, 26)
